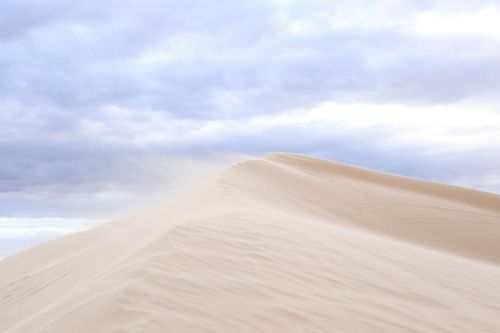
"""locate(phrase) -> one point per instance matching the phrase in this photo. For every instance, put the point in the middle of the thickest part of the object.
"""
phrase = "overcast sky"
(97, 96)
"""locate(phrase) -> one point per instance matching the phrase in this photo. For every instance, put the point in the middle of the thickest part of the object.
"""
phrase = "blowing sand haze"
(285, 243)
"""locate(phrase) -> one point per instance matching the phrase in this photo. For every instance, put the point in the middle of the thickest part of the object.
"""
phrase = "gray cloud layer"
(189, 59)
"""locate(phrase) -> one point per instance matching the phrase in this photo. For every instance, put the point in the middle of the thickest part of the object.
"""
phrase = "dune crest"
(285, 243)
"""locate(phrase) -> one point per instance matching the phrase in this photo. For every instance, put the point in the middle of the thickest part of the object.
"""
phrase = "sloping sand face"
(282, 244)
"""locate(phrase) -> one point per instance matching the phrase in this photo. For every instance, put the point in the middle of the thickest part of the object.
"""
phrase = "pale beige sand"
(282, 244)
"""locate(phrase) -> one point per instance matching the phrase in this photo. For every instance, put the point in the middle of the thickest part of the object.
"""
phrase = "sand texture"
(285, 243)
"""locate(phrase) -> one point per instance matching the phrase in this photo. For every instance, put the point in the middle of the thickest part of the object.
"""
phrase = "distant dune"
(285, 243)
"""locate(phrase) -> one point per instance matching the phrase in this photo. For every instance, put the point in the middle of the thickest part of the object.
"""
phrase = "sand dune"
(285, 243)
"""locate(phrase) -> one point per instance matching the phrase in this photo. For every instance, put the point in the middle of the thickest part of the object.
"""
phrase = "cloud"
(190, 60)
(19, 233)
(483, 21)
(41, 227)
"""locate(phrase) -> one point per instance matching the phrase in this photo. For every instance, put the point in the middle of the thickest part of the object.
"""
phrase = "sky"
(108, 103)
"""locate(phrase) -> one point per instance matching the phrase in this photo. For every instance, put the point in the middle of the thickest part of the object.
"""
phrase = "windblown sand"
(285, 243)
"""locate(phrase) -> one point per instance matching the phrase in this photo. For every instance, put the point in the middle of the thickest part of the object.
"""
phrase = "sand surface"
(285, 243)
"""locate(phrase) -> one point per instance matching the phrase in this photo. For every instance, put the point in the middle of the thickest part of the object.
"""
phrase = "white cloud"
(462, 127)
(484, 21)
(16, 227)
(444, 127)
(17, 233)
